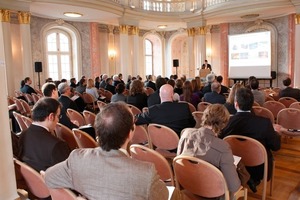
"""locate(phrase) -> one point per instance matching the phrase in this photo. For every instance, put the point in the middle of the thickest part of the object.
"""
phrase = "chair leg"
(272, 179)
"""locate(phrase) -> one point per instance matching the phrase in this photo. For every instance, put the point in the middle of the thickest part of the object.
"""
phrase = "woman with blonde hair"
(204, 143)
(137, 95)
(188, 94)
(91, 89)
(230, 100)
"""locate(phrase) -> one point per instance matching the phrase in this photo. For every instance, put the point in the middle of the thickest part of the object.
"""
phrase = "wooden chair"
(163, 139)
(255, 104)
(27, 121)
(83, 139)
(287, 101)
(289, 119)
(100, 104)
(268, 98)
(89, 100)
(76, 117)
(35, 97)
(20, 121)
(202, 106)
(141, 136)
(198, 118)
(274, 107)
(191, 106)
(19, 106)
(62, 194)
(33, 179)
(253, 153)
(263, 112)
(195, 177)
(107, 95)
(26, 108)
(295, 105)
(89, 117)
(162, 166)
(28, 98)
(135, 110)
(65, 134)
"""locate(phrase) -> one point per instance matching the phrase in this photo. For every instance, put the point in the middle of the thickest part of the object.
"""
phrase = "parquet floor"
(287, 173)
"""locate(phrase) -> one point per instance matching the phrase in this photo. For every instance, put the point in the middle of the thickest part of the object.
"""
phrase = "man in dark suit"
(224, 89)
(247, 124)
(149, 83)
(176, 116)
(27, 88)
(214, 96)
(206, 65)
(289, 91)
(38, 147)
(154, 98)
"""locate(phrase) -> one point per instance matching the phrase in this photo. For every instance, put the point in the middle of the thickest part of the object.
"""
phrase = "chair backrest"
(135, 110)
(202, 106)
(10, 100)
(19, 105)
(65, 134)
(87, 98)
(274, 107)
(100, 104)
(35, 97)
(27, 121)
(198, 118)
(28, 98)
(75, 116)
(26, 108)
(263, 112)
(255, 104)
(140, 136)
(83, 139)
(107, 95)
(287, 101)
(89, 117)
(289, 118)
(252, 152)
(20, 121)
(162, 166)
(295, 105)
(268, 98)
(33, 179)
(191, 106)
(199, 177)
(149, 91)
(62, 194)
(163, 137)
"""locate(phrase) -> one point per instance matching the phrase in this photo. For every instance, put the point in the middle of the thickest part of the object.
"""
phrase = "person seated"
(137, 95)
(204, 143)
(259, 96)
(81, 86)
(196, 88)
(288, 91)
(178, 86)
(108, 172)
(103, 82)
(26, 87)
(248, 124)
(210, 78)
(230, 100)
(73, 83)
(116, 80)
(188, 94)
(176, 116)
(109, 86)
(224, 89)
(38, 147)
(119, 96)
(149, 82)
(214, 96)
(154, 98)
(91, 89)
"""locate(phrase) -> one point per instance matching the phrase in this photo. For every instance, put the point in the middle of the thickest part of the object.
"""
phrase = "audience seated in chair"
(289, 91)
(214, 96)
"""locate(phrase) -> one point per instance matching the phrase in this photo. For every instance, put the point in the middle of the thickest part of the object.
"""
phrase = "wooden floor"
(287, 173)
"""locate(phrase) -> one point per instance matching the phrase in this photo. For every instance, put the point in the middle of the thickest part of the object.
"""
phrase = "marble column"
(200, 46)
(95, 50)
(297, 52)
(136, 52)
(224, 31)
(25, 38)
(7, 184)
(125, 52)
(191, 52)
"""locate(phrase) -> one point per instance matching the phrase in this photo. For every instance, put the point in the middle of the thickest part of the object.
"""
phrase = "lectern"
(203, 73)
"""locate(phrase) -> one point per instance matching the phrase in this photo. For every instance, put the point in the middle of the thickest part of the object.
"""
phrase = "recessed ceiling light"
(72, 14)
(162, 26)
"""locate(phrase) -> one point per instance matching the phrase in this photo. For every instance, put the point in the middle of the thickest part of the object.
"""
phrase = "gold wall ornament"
(191, 32)
(201, 30)
(297, 19)
(4, 15)
(124, 29)
(134, 30)
(24, 17)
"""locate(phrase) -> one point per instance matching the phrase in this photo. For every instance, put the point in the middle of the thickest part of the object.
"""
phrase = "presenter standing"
(206, 65)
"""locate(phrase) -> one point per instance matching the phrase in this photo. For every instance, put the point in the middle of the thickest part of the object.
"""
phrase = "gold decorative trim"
(4, 15)
(24, 17)
(124, 29)
(135, 30)
(201, 30)
(190, 32)
(297, 19)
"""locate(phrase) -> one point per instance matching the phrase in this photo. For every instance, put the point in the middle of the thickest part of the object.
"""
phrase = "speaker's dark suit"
(259, 128)
(176, 116)
(290, 92)
(40, 149)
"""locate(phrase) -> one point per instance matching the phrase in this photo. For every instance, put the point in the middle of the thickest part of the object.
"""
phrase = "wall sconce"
(111, 54)
(208, 52)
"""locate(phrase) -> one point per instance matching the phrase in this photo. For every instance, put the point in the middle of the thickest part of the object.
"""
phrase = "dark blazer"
(214, 97)
(66, 103)
(208, 66)
(290, 92)
(111, 88)
(224, 89)
(176, 116)
(259, 128)
(40, 149)
(206, 89)
(139, 100)
(153, 99)
(150, 84)
(27, 89)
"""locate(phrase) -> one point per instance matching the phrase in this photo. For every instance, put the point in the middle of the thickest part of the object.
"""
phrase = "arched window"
(149, 57)
(59, 54)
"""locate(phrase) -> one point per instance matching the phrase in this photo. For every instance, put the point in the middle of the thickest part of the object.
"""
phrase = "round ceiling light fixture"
(73, 14)
(162, 26)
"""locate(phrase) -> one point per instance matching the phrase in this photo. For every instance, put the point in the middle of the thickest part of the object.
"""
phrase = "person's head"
(210, 78)
(114, 125)
(116, 78)
(233, 90)
(205, 61)
(27, 80)
(195, 85)
(219, 79)
(63, 80)
(97, 79)
(171, 76)
(22, 83)
(149, 78)
(243, 99)
(166, 93)
(120, 88)
(82, 82)
(216, 87)
(50, 90)
(109, 81)
(136, 87)
(175, 77)
(287, 81)
(254, 84)
(64, 89)
(171, 82)
(47, 111)
(187, 91)
(183, 78)
(90, 83)
(178, 83)
(160, 82)
(104, 77)
(120, 76)
(73, 80)
(129, 77)
(215, 116)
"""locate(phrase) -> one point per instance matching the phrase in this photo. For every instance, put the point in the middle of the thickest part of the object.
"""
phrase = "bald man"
(174, 115)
